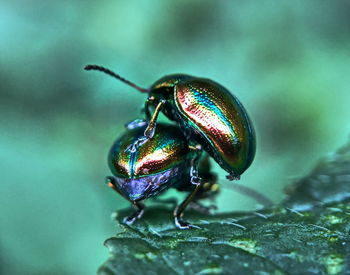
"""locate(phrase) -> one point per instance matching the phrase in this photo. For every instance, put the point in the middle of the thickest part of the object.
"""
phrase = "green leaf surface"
(309, 233)
(328, 182)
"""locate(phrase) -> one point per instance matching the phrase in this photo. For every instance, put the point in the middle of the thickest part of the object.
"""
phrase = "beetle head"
(164, 87)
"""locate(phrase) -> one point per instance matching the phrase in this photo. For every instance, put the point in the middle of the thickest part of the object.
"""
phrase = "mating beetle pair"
(166, 160)
(209, 116)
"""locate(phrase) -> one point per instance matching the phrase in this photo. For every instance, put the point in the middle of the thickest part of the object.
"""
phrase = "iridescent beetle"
(208, 114)
(166, 160)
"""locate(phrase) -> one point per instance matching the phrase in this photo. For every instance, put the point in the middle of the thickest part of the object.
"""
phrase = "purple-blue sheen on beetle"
(209, 115)
(166, 160)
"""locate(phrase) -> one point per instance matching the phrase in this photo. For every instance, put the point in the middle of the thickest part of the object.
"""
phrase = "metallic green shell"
(167, 149)
(220, 122)
(169, 81)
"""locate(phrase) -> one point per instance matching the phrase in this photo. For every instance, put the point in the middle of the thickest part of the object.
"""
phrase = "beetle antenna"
(113, 74)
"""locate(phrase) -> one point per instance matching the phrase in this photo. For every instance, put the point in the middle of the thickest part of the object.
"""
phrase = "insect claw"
(137, 144)
(131, 148)
(233, 177)
(129, 220)
(149, 132)
(184, 225)
(196, 180)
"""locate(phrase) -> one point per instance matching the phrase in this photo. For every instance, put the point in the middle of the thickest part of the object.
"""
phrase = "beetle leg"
(137, 214)
(148, 103)
(139, 206)
(210, 187)
(179, 210)
(209, 191)
(149, 132)
(195, 179)
(138, 143)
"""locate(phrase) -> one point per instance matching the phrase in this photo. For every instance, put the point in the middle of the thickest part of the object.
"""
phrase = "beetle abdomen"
(151, 185)
(220, 120)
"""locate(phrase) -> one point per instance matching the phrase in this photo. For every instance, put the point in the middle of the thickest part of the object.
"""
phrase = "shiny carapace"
(166, 160)
(209, 115)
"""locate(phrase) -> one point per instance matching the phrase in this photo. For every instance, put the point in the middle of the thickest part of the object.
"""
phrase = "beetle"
(209, 116)
(165, 161)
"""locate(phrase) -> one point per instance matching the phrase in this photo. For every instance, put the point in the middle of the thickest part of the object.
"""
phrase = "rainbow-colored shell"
(211, 115)
(161, 162)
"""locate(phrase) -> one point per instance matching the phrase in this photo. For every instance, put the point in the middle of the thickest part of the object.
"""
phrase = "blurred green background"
(287, 61)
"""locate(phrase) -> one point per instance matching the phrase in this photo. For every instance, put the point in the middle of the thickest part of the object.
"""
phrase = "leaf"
(328, 182)
(306, 234)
